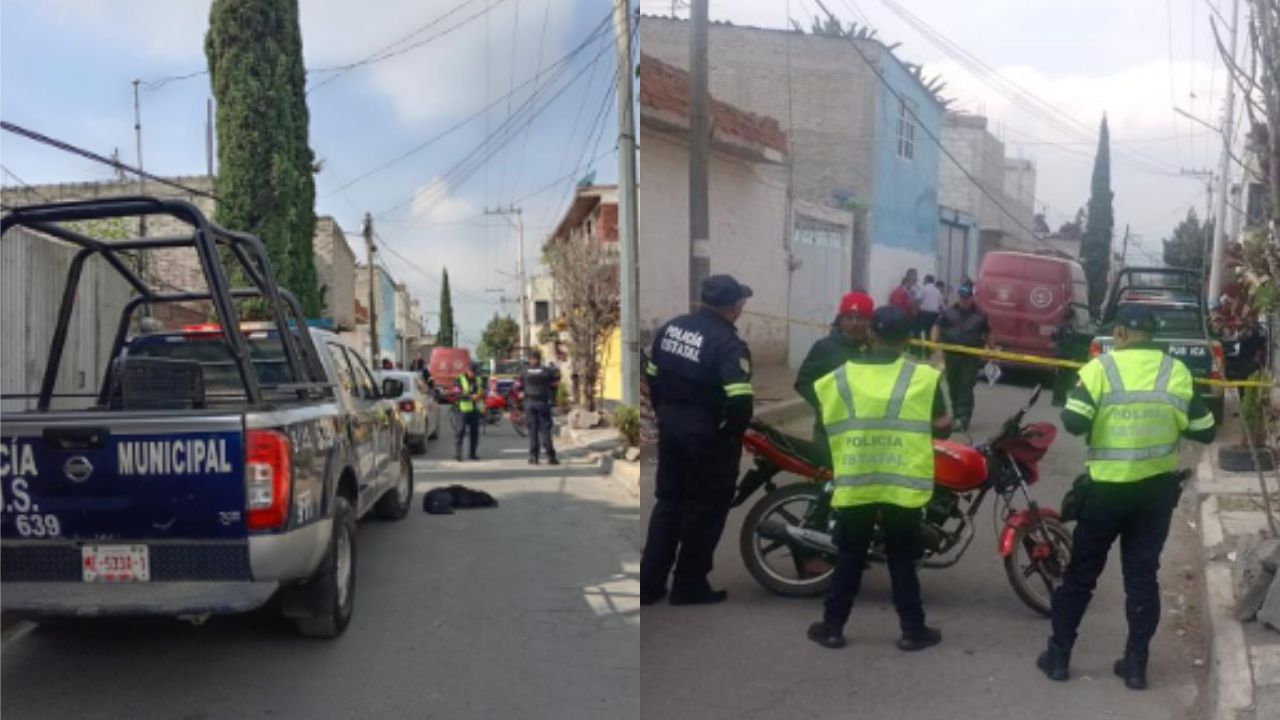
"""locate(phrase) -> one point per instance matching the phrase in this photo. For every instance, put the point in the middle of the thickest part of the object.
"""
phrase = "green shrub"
(626, 418)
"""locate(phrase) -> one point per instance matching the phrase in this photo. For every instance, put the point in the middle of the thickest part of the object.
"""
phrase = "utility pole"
(518, 224)
(1224, 172)
(629, 280)
(1208, 177)
(1124, 247)
(699, 140)
(367, 230)
(137, 133)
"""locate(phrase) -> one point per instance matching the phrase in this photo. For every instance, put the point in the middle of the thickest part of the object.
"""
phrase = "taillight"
(1219, 361)
(407, 406)
(268, 472)
(1095, 349)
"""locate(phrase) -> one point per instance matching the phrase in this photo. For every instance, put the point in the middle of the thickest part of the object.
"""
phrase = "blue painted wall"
(386, 317)
(904, 202)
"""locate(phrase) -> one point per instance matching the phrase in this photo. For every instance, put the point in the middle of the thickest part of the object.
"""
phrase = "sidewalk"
(1244, 672)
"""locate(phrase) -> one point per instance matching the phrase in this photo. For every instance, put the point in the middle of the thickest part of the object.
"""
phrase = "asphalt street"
(749, 658)
(529, 610)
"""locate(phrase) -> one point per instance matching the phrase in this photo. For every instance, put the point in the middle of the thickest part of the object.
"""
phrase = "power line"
(511, 85)
(1021, 97)
(390, 51)
(479, 156)
(879, 73)
(558, 68)
(542, 38)
(74, 150)
(24, 183)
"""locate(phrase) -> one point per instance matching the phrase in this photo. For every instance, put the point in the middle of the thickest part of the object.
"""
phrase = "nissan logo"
(78, 468)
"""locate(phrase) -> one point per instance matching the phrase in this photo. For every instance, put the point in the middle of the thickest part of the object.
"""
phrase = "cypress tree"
(265, 164)
(1095, 247)
(445, 338)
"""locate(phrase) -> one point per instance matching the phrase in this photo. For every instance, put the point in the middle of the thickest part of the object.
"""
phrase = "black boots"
(1133, 670)
(1054, 663)
(697, 595)
(914, 640)
(826, 634)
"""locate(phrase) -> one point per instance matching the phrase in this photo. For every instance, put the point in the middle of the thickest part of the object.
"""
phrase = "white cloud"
(432, 204)
(445, 77)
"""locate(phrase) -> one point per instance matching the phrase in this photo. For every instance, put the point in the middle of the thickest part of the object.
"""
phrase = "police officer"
(700, 388)
(1132, 404)
(539, 384)
(847, 341)
(469, 403)
(962, 324)
(881, 413)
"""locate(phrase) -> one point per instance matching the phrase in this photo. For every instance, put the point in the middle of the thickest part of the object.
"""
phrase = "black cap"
(891, 323)
(1136, 317)
(723, 291)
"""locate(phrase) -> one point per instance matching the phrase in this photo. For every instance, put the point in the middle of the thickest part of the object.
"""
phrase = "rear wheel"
(782, 566)
(394, 503)
(518, 421)
(331, 592)
(1038, 562)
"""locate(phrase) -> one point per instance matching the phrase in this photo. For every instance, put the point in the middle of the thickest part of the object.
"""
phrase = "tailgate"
(91, 477)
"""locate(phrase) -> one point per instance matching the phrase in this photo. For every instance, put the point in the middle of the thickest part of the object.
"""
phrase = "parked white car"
(418, 408)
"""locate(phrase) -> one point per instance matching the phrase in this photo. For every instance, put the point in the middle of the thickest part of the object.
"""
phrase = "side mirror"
(1035, 396)
(392, 388)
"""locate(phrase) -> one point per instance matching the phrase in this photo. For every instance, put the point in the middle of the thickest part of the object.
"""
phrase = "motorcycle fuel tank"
(958, 467)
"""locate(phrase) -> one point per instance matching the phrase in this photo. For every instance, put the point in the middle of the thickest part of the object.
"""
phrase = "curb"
(625, 473)
(1230, 673)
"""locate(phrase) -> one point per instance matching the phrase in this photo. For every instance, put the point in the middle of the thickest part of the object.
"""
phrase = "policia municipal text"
(1132, 404)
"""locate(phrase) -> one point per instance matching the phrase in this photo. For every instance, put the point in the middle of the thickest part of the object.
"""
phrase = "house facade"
(854, 145)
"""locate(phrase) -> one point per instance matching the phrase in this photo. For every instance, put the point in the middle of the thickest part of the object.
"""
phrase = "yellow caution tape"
(994, 354)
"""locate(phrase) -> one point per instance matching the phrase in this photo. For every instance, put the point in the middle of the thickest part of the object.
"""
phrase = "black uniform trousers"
(697, 475)
(854, 529)
(470, 424)
(537, 416)
(1139, 514)
(962, 375)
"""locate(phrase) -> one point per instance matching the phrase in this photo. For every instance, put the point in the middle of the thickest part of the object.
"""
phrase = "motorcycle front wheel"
(518, 422)
(776, 564)
(1038, 562)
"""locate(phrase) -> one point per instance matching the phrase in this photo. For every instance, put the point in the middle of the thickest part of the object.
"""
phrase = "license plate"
(115, 563)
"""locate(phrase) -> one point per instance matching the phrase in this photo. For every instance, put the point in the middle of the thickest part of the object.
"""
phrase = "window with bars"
(906, 131)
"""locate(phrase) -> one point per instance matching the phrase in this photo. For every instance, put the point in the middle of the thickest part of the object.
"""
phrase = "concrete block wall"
(335, 271)
(817, 89)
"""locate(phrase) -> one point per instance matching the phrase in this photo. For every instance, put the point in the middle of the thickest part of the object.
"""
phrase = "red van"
(446, 364)
(1026, 298)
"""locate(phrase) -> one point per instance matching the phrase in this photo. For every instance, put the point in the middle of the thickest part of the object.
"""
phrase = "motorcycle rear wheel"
(1034, 579)
(519, 423)
(769, 560)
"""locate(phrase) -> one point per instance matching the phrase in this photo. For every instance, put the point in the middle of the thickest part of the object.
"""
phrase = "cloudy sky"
(67, 67)
(1133, 60)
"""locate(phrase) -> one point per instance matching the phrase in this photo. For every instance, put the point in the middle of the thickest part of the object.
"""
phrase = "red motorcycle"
(496, 406)
(786, 538)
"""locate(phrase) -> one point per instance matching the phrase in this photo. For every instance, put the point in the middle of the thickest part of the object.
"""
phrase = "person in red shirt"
(903, 297)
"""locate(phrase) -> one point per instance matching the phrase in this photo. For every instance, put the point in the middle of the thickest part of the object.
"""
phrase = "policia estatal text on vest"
(881, 413)
(1132, 405)
(700, 385)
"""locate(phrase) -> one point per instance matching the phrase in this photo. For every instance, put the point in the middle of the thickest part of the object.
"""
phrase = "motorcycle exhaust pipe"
(812, 540)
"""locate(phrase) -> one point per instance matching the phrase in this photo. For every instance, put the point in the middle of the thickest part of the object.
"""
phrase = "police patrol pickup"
(216, 466)
(1183, 327)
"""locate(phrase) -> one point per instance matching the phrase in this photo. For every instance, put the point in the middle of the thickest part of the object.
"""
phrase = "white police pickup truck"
(217, 466)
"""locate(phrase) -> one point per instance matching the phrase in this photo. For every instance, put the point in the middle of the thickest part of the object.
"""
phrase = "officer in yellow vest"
(881, 413)
(470, 401)
(1133, 405)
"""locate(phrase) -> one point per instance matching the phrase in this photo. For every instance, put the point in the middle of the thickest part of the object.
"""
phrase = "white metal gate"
(823, 276)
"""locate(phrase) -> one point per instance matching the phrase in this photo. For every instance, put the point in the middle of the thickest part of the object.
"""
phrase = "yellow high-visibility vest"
(1140, 406)
(878, 419)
